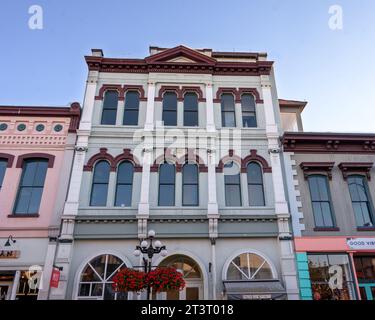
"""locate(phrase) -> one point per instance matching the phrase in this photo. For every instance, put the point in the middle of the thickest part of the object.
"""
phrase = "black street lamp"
(148, 251)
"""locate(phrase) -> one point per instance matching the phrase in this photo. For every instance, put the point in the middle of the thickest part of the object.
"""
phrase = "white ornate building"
(184, 142)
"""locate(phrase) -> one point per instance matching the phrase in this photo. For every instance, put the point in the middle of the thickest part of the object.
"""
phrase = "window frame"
(124, 184)
(248, 112)
(167, 184)
(249, 183)
(326, 181)
(131, 108)
(190, 184)
(100, 183)
(233, 184)
(21, 187)
(104, 108)
(189, 112)
(369, 203)
(166, 111)
(224, 112)
(2, 175)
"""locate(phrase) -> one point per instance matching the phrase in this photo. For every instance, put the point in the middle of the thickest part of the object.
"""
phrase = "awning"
(254, 290)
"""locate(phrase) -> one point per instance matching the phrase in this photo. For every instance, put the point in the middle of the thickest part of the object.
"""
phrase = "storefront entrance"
(5, 290)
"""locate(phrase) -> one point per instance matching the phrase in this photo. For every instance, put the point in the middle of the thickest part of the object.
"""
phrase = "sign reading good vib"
(361, 243)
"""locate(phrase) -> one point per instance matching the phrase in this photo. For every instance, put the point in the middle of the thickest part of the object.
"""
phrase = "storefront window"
(365, 269)
(331, 277)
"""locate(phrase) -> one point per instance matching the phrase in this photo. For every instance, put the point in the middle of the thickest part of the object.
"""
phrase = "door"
(367, 291)
(5, 290)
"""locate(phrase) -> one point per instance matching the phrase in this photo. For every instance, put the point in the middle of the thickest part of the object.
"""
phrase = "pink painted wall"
(30, 141)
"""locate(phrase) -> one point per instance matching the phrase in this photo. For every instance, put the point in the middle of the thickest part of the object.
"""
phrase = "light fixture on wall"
(8, 242)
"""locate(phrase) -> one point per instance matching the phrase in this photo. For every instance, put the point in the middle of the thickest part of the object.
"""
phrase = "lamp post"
(149, 247)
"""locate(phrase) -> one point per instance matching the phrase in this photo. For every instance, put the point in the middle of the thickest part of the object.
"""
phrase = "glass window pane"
(326, 212)
(249, 120)
(323, 190)
(358, 214)
(36, 196)
(231, 173)
(366, 214)
(166, 195)
(123, 195)
(318, 215)
(109, 117)
(227, 102)
(169, 118)
(99, 195)
(233, 195)
(110, 100)
(254, 173)
(190, 118)
(28, 173)
(314, 189)
(228, 119)
(125, 173)
(96, 289)
(3, 167)
(101, 172)
(112, 264)
(98, 265)
(132, 100)
(247, 102)
(190, 102)
(170, 101)
(190, 173)
(130, 117)
(256, 197)
(190, 195)
(84, 289)
(40, 173)
(23, 200)
(167, 173)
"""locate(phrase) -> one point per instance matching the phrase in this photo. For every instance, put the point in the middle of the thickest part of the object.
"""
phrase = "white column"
(210, 125)
(89, 101)
(144, 206)
(149, 123)
(47, 271)
(213, 269)
(16, 281)
(212, 207)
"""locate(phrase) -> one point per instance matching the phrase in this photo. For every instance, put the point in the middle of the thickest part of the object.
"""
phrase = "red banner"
(55, 278)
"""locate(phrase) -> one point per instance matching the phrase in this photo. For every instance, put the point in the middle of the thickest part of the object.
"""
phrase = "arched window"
(96, 279)
(249, 266)
(255, 184)
(170, 109)
(31, 186)
(190, 110)
(124, 184)
(131, 108)
(249, 119)
(110, 107)
(228, 113)
(100, 184)
(321, 201)
(167, 180)
(361, 203)
(192, 276)
(232, 181)
(190, 185)
(3, 167)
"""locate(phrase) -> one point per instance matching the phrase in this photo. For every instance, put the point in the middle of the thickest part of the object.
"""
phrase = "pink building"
(36, 150)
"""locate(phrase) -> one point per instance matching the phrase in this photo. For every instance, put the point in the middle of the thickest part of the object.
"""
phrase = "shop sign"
(9, 254)
(55, 278)
(361, 243)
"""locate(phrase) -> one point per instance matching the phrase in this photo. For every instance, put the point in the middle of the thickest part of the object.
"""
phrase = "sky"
(332, 69)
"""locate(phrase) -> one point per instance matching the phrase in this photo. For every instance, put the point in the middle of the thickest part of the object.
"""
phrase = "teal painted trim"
(306, 292)
(302, 266)
(303, 275)
(305, 283)
(301, 257)
(306, 298)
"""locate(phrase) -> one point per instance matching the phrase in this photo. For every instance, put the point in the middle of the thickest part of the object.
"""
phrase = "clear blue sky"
(333, 70)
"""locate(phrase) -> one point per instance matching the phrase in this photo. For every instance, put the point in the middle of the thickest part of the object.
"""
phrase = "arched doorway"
(192, 275)
(95, 281)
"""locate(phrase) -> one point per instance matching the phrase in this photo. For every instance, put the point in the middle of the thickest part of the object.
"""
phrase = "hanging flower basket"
(165, 278)
(129, 280)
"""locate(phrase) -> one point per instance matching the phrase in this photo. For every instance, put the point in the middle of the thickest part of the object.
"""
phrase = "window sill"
(322, 229)
(31, 215)
(365, 228)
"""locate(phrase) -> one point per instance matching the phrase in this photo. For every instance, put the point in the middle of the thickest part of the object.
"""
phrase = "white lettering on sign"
(361, 243)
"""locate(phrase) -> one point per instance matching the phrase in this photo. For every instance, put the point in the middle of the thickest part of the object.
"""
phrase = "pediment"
(180, 54)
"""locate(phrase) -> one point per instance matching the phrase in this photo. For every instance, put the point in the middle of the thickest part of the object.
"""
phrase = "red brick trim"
(194, 89)
(128, 156)
(254, 157)
(167, 156)
(138, 88)
(191, 157)
(362, 168)
(252, 91)
(222, 90)
(8, 157)
(22, 158)
(110, 87)
(328, 229)
(102, 155)
(164, 89)
(310, 168)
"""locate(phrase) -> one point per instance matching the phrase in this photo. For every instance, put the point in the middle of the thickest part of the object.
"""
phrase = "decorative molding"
(8, 157)
(163, 63)
(138, 88)
(164, 89)
(22, 158)
(128, 156)
(110, 87)
(252, 157)
(237, 93)
(193, 89)
(167, 156)
(305, 142)
(349, 168)
(310, 168)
